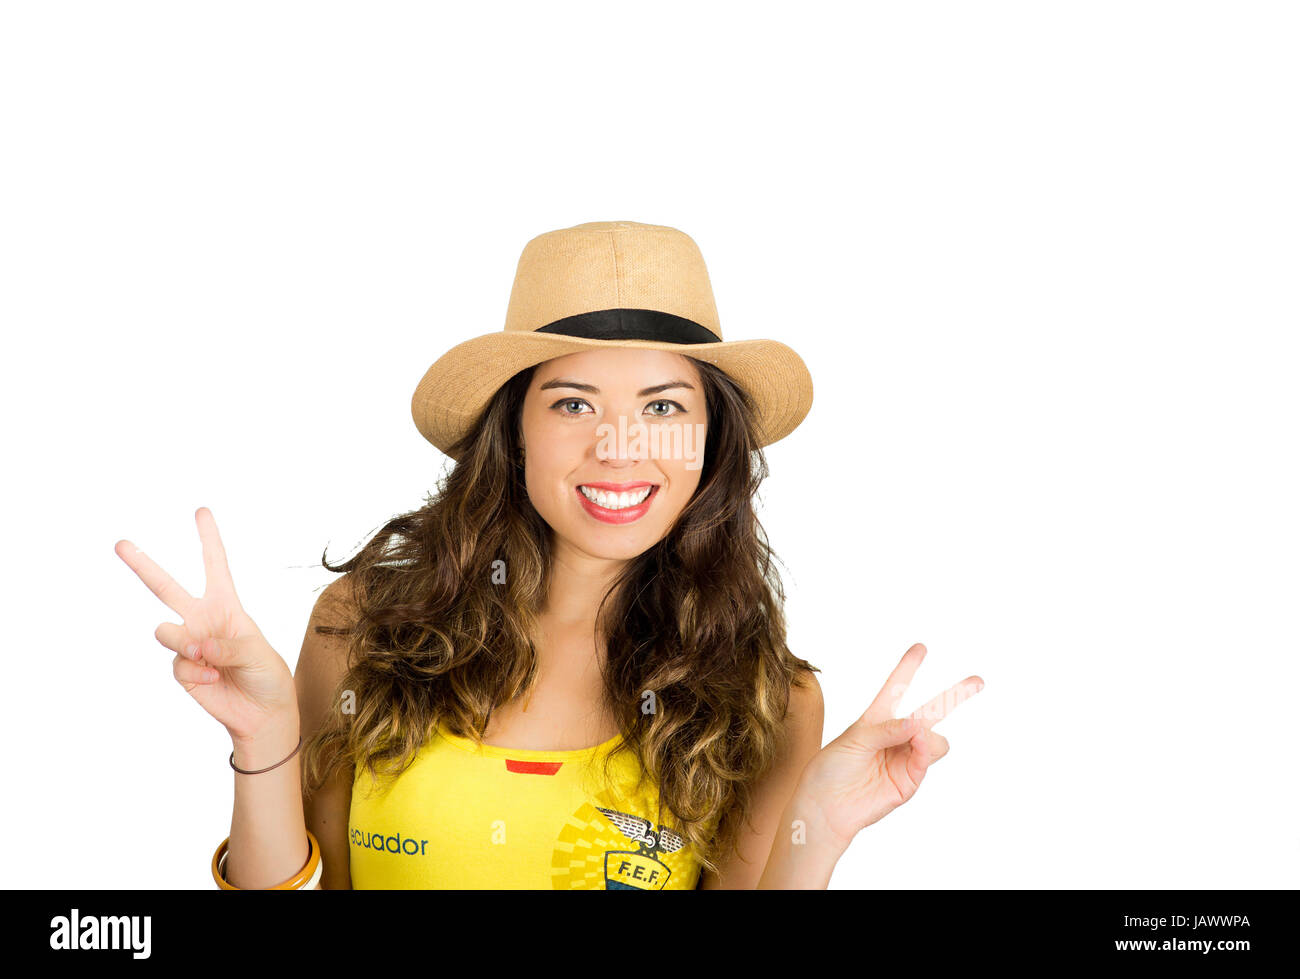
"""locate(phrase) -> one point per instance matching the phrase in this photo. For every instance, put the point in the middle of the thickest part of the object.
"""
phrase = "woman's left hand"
(878, 763)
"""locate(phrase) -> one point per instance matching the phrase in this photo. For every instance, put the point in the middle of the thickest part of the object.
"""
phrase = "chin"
(625, 551)
(606, 547)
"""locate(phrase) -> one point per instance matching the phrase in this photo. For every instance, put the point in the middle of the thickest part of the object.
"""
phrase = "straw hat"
(608, 284)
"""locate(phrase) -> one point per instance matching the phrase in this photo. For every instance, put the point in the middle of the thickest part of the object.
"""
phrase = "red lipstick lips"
(627, 515)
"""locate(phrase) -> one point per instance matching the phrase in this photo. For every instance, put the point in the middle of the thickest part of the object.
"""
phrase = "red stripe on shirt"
(533, 767)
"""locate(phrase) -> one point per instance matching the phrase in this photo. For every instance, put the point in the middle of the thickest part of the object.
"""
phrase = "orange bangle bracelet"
(292, 884)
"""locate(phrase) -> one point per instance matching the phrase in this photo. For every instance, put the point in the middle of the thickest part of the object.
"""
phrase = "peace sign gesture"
(222, 659)
(878, 762)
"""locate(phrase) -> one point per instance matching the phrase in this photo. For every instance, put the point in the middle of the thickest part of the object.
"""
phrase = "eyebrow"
(561, 382)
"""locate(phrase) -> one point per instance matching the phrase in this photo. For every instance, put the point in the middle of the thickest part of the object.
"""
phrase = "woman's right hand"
(222, 659)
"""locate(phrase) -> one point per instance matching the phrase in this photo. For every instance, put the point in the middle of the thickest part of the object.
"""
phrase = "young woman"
(568, 669)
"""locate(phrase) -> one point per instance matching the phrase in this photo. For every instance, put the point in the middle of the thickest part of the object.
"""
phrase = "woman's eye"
(674, 404)
(562, 405)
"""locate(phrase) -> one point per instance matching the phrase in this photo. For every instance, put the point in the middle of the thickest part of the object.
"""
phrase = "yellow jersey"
(467, 816)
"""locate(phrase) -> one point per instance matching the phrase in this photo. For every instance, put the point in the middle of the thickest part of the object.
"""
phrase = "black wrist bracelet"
(261, 770)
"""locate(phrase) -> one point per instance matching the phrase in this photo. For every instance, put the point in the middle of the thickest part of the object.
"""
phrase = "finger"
(175, 637)
(918, 761)
(182, 642)
(921, 746)
(895, 731)
(159, 581)
(214, 552)
(937, 745)
(219, 652)
(935, 710)
(886, 702)
(191, 675)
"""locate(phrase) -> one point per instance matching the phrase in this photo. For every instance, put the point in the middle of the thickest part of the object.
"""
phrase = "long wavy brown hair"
(696, 620)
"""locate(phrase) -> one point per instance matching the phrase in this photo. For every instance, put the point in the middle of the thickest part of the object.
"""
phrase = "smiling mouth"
(607, 498)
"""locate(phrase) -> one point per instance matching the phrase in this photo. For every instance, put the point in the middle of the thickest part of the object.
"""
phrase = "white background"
(1039, 257)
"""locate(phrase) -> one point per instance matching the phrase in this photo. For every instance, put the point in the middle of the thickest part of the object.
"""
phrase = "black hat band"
(632, 324)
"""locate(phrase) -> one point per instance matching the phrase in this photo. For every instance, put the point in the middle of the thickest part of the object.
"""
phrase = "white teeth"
(616, 501)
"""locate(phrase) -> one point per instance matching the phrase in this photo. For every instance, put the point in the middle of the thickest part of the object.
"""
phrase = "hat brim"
(459, 384)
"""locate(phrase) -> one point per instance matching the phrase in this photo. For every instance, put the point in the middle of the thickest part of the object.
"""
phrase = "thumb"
(896, 730)
(220, 652)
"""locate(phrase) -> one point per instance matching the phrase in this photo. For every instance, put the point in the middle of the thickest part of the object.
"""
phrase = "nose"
(623, 445)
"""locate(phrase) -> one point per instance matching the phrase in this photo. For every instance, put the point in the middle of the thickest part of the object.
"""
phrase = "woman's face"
(603, 428)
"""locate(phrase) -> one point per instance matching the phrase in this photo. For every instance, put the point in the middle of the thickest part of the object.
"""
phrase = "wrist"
(272, 743)
(807, 807)
(805, 850)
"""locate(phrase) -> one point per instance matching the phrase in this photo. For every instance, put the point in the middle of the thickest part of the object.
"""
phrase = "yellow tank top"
(467, 816)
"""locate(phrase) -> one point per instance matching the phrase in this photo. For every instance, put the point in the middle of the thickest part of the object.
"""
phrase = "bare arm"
(320, 666)
(770, 820)
(268, 839)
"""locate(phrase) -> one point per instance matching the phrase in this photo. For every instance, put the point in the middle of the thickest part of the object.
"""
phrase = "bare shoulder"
(323, 657)
(807, 710)
(336, 605)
